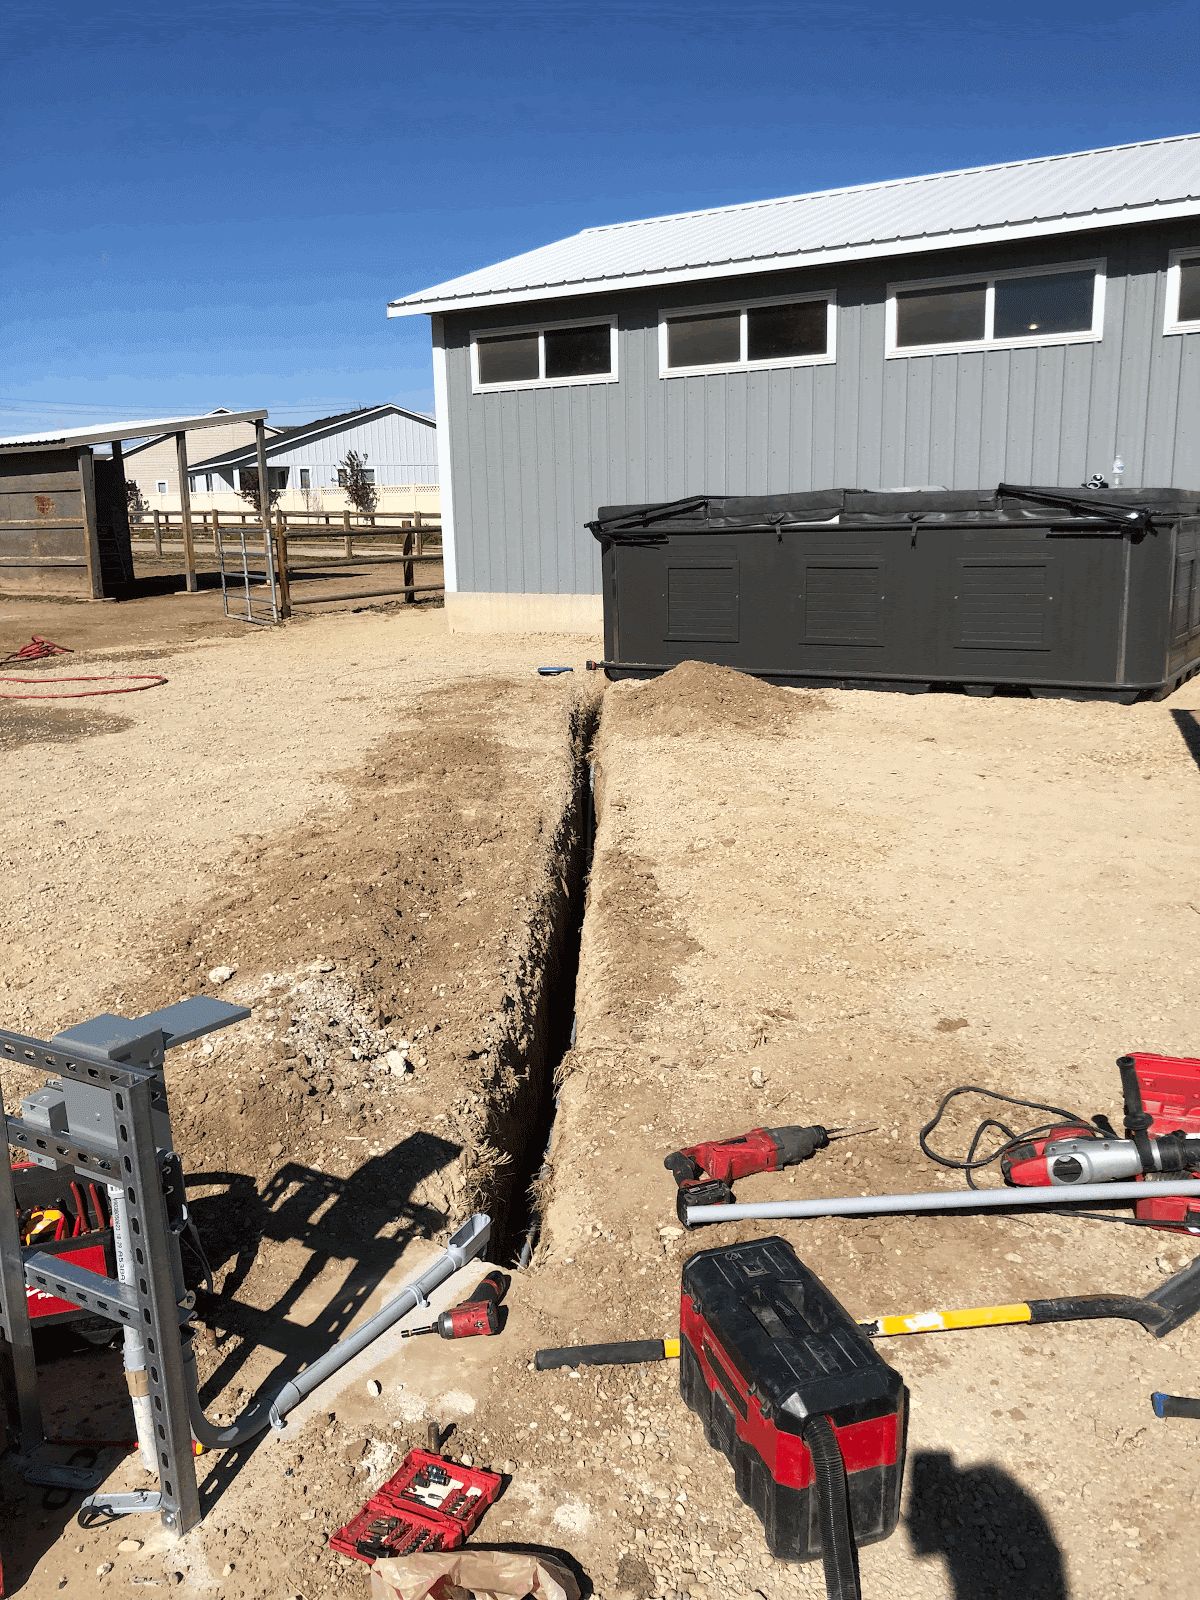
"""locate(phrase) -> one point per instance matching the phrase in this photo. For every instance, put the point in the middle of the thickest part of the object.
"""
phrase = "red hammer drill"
(726, 1160)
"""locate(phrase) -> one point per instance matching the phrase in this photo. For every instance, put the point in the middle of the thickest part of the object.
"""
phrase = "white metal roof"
(1145, 182)
(105, 433)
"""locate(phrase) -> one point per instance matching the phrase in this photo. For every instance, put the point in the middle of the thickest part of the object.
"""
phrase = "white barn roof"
(1150, 181)
(105, 433)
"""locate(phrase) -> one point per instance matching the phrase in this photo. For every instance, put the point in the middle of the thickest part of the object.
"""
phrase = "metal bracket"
(122, 1505)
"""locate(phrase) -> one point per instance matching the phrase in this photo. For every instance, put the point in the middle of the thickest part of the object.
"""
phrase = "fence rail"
(412, 529)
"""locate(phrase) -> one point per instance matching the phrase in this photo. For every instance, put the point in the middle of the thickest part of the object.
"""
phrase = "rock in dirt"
(129, 1547)
(220, 975)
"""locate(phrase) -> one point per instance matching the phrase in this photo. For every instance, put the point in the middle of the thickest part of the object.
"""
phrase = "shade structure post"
(91, 525)
(264, 491)
(185, 509)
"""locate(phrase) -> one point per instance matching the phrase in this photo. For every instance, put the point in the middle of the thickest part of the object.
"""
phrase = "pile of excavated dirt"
(700, 699)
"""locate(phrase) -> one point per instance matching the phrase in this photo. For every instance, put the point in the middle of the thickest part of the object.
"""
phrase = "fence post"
(346, 526)
(157, 535)
(281, 554)
(216, 516)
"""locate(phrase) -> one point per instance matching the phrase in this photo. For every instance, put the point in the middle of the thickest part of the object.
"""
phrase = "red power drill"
(726, 1160)
(479, 1313)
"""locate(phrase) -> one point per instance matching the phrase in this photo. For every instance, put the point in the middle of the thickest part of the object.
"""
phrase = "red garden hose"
(132, 681)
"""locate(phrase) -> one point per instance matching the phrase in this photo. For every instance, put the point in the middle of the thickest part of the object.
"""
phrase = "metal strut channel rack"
(103, 1114)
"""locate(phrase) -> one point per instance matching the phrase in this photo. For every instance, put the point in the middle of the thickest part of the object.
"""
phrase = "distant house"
(1032, 322)
(152, 464)
(400, 448)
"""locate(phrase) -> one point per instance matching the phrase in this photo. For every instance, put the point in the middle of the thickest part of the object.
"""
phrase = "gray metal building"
(1035, 322)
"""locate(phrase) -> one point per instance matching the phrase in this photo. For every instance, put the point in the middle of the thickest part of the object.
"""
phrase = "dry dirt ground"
(803, 907)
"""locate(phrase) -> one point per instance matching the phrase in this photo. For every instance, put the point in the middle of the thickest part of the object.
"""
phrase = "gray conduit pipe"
(876, 1205)
(468, 1242)
(463, 1246)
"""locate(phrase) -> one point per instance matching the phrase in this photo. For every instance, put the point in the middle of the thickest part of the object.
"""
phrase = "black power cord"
(1012, 1140)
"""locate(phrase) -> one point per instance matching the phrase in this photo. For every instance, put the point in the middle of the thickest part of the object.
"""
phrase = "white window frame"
(305, 477)
(1091, 335)
(742, 364)
(160, 486)
(541, 329)
(1171, 322)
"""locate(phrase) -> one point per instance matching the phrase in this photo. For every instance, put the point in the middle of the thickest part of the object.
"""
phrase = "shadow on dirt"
(993, 1535)
(1189, 732)
(367, 1219)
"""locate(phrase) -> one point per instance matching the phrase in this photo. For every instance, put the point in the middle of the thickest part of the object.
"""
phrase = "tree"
(248, 478)
(134, 503)
(358, 482)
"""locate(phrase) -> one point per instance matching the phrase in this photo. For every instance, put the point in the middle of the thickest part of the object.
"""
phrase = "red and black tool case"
(764, 1350)
(1167, 1090)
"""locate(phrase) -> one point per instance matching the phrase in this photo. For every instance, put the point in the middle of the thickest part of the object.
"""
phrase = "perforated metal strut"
(103, 1114)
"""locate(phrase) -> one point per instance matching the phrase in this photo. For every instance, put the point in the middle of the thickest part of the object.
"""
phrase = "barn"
(1031, 322)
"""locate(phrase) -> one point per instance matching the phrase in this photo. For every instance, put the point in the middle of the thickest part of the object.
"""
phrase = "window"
(1043, 305)
(368, 476)
(1183, 292)
(160, 486)
(305, 478)
(789, 332)
(514, 358)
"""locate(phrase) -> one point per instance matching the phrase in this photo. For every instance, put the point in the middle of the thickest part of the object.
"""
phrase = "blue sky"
(211, 205)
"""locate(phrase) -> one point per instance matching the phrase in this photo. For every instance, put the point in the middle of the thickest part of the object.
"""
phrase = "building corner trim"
(441, 411)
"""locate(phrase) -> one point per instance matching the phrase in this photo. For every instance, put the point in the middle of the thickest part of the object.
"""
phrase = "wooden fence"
(424, 528)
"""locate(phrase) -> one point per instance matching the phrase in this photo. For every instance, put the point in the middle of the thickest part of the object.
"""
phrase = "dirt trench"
(394, 888)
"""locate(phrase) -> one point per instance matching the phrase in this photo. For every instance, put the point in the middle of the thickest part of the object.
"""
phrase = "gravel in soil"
(804, 906)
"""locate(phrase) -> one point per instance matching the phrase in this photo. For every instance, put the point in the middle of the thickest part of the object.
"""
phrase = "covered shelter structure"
(64, 520)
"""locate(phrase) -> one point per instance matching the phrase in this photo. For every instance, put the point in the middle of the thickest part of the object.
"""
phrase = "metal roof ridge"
(879, 184)
(287, 437)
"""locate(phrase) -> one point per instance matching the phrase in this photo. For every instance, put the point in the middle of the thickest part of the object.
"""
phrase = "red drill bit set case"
(1169, 1088)
(430, 1504)
(765, 1350)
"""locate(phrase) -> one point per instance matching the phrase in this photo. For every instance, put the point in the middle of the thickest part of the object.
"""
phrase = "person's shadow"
(993, 1535)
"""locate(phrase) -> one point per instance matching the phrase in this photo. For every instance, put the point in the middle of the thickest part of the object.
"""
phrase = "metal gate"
(238, 581)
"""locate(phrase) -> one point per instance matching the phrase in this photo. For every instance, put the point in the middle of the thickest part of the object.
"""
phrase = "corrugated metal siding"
(399, 449)
(869, 219)
(531, 466)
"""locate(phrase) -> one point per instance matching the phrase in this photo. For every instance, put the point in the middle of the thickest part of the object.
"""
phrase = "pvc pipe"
(464, 1246)
(135, 1347)
(875, 1205)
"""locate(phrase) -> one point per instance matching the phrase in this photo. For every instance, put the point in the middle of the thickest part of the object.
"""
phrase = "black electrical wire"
(196, 1246)
(1012, 1140)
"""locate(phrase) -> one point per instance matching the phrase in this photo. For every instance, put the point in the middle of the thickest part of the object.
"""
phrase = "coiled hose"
(839, 1555)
